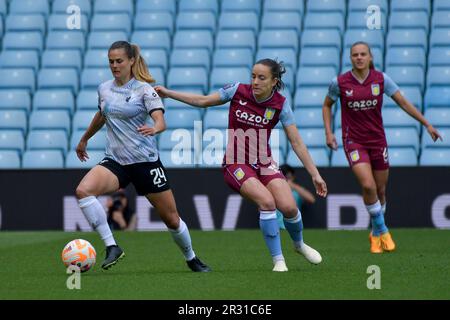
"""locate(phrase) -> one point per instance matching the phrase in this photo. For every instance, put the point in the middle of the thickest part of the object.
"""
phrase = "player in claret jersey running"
(248, 166)
(361, 95)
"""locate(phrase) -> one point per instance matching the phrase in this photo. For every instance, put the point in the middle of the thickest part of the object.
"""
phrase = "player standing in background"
(361, 95)
(131, 154)
(248, 166)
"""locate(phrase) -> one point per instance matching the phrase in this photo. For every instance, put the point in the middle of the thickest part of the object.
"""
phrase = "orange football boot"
(375, 244)
(386, 242)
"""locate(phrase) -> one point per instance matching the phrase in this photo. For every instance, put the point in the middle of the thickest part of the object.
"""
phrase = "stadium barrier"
(45, 200)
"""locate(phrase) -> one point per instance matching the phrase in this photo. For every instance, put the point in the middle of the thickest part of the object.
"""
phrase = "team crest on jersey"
(376, 89)
(239, 174)
(354, 155)
(269, 113)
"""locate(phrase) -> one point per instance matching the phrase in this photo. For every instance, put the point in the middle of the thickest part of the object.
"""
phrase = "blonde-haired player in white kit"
(131, 152)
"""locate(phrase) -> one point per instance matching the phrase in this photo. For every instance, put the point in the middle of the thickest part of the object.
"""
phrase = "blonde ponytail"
(139, 68)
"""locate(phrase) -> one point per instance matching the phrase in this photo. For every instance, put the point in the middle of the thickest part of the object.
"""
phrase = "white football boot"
(310, 254)
(280, 266)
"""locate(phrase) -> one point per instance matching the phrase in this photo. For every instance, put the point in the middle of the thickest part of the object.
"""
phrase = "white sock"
(182, 238)
(96, 215)
(383, 208)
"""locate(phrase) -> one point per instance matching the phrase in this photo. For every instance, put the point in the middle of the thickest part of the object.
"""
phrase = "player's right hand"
(161, 91)
(331, 141)
(81, 151)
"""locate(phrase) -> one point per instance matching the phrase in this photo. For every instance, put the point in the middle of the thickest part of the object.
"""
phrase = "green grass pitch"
(153, 268)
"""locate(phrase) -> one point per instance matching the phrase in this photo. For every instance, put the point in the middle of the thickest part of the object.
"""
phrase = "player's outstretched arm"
(327, 116)
(96, 124)
(196, 100)
(416, 114)
(302, 153)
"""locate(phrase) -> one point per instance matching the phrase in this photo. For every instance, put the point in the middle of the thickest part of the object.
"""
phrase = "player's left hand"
(146, 130)
(320, 185)
(433, 133)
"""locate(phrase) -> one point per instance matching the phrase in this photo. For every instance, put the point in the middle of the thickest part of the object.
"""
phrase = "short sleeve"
(227, 92)
(287, 116)
(152, 101)
(333, 90)
(390, 87)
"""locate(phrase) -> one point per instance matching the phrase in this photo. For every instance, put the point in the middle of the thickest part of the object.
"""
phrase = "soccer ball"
(80, 253)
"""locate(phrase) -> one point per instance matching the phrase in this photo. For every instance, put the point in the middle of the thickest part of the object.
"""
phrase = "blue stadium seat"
(438, 76)
(180, 137)
(19, 59)
(280, 39)
(177, 159)
(155, 58)
(29, 7)
(229, 39)
(82, 119)
(396, 117)
(92, 78)
(321, 38)
(187, 79)
(190, 58)
(156, 6)
(296, 6)
(54, 100)
(12, 140)
(196, 39)
(246, 20)
(441, 5)
(62, 59)
(182, 118)
(407, 76)
(315, 76)
(377, 54)
(282, 20)
(233, 58)
(427, 142)
(25, 23)
(159, 76)
(437, 97)
(241, 5)
(313, 137)
(1, 25)
(49, 120)
(87, 100)
(196, 21)
(42, 159)
(310, 97)
(15, 100)
(157, 21)
(308, 117)
(402, 137)
(409, 20)
(152, 40)
(440, 38)
(23, 41)
(199, 5)
(327, 6)
(13, 120)
(66, 40)
(399, 157)
(97, 58)
(411, 5)
(215, 119)
(289, 80)
(60, 6)
(107, 22)
(319, 156)
(58, 78)
(435, 157)
(325, 20)
(223, 76)
(338, 158)
(320, 57)
(47, 140)
(17, 78)
(9, 159)
(413, 94)
(104, 39)
(362, 5)
(358, 20)
(288, 56)
(407, 38)
(374, 38)
(58, 22)
(3, 9)
(96, 142)
(114, 6)
(439, 57)
(72, 161)
(439, 117)
(406, 56)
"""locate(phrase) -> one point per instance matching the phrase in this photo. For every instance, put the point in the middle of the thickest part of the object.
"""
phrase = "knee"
(289, 211)
(381, 191)
(369, 188)
(267, 204)
(172, 221)
(82, 192)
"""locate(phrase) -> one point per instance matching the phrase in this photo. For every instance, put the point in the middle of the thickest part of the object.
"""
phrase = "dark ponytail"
(277, 70)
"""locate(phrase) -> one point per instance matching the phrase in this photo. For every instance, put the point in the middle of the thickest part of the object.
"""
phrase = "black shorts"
(147, 177)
